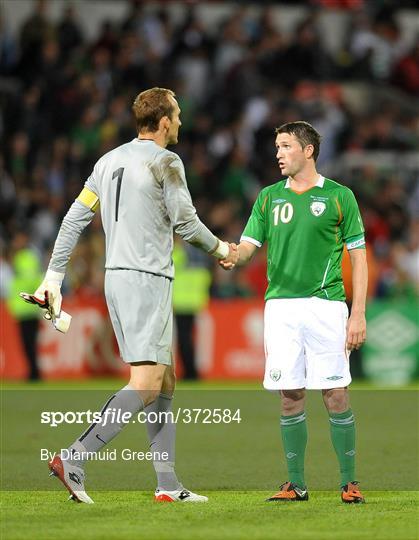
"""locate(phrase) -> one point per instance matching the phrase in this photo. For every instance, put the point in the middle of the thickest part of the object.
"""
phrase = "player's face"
(175, 123)
(290, 155)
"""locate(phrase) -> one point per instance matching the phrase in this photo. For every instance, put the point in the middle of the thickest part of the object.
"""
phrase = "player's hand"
(231, 260)
(48, 294)
(48, 297)
(356, 331)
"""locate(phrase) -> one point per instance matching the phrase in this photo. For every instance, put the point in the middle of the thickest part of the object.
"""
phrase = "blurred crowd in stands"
(66, 100)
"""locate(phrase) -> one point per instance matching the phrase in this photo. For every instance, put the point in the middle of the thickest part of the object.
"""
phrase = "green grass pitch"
(227, 515)
(238, 467)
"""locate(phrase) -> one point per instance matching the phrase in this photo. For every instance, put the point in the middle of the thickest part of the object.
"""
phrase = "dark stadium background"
(69, 72)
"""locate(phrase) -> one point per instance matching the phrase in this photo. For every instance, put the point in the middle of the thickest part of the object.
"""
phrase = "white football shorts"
(305, 344)
(140, 308)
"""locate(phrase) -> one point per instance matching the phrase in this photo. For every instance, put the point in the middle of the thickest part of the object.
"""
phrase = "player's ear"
(164, 123)
(308, 151)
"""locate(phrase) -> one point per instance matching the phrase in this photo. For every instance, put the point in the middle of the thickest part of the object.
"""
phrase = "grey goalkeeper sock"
(127, 400)
(161, 434)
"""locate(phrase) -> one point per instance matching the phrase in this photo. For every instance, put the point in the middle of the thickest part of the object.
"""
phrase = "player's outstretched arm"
(356, 333)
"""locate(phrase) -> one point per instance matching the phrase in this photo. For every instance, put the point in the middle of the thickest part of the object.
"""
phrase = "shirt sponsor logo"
(317, 208)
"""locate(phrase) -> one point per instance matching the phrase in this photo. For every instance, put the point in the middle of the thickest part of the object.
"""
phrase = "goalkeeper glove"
(49, 292)
(48, 297)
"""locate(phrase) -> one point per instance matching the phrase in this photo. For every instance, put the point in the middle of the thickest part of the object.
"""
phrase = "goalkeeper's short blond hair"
(151, 106)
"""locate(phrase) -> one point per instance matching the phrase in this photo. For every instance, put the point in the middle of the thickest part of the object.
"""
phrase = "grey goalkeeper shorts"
(140, 308)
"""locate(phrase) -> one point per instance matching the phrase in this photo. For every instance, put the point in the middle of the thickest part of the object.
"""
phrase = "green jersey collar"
(319, 183)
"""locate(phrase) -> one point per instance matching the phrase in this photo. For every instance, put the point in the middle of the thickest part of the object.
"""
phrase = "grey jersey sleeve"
(74, 223)
(180, 208)
(91, 182)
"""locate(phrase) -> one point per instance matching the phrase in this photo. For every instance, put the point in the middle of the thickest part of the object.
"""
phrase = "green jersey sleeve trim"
(255, 228)
(357, 241)
(251, 240)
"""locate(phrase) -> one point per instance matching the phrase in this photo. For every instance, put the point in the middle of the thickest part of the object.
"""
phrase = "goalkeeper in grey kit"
(140, 188)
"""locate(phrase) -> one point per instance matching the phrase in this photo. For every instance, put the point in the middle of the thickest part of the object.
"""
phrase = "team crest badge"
(317, 208)
(275, 374)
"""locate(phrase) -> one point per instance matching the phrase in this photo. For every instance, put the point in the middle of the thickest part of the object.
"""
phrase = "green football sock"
(342, 431)
(294, 439)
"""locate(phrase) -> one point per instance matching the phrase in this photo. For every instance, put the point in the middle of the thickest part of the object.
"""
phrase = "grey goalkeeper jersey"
(143, 196)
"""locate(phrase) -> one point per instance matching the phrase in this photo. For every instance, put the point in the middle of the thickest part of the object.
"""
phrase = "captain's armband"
(355, 242)
(89, 199)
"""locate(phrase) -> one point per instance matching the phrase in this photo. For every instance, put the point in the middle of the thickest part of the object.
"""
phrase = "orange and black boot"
(290, 492)
(351, 494)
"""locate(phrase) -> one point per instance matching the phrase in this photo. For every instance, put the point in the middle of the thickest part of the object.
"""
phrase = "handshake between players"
(49, 298)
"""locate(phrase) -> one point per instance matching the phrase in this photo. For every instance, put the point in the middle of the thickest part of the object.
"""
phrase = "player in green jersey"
(306, 220)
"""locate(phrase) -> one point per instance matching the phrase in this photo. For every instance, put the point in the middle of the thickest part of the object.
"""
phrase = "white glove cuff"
(222, 250)
(54, 276)
(62, 323)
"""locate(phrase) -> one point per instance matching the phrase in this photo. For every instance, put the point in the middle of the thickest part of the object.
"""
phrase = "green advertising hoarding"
(391, 353)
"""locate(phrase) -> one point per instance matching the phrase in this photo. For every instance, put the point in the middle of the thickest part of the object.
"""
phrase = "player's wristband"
(221, 251)
(51, 275)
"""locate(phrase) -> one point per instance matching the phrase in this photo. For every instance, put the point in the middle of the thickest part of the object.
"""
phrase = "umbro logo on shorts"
(334, 378)
(275, 374)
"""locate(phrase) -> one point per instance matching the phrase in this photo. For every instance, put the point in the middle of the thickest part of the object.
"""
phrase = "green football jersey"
(305, 233)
